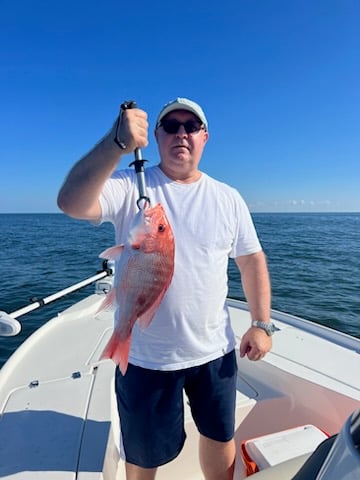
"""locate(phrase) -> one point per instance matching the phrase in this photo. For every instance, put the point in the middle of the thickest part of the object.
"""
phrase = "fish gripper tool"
(138, 163)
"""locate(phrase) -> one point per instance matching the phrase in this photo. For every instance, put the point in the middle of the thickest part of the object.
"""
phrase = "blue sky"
(278, 80)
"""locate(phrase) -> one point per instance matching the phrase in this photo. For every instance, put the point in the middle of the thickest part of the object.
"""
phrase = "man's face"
(180, 152)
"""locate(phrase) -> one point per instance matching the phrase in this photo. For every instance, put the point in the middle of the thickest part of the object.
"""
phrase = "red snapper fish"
(142, 276)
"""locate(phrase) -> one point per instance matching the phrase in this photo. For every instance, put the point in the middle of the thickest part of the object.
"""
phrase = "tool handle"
(138, 164)
(137, 152)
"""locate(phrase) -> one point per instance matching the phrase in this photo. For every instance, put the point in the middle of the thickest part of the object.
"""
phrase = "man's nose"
(181, 132)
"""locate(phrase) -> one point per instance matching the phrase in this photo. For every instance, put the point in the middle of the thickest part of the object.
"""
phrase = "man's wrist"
(107, 152)
(268, 327)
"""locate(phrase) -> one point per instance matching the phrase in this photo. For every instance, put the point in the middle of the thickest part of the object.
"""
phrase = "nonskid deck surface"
(57, 393)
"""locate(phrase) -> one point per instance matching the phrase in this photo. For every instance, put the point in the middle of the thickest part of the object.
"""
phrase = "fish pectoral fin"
(145, 319)
(112, 253)
(108, 302)
(118, 350)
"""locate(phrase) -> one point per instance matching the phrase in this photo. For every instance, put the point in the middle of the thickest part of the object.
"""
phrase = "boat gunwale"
(309, 326)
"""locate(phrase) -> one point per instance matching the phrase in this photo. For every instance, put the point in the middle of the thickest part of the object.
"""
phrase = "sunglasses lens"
(172, 126)
(192, 126)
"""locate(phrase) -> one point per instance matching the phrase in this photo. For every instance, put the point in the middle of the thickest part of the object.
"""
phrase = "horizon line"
(251, 211)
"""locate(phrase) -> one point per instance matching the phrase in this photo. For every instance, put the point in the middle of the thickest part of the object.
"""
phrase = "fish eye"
(161, 227)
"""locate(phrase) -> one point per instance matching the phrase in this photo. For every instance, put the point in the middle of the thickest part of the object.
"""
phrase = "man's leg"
(133, 472)
(150, 405)
(217, 459)
(211, 389)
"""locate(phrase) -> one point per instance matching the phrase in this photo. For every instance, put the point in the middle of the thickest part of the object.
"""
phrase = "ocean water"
(314, 263)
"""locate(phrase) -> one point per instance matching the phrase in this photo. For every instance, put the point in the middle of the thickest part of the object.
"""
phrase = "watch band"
(268, 327)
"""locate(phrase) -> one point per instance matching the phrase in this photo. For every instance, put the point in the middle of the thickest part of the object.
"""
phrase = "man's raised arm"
(79, 195)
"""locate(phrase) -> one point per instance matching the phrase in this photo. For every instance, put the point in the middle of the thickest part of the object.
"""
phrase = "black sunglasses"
(171, 125)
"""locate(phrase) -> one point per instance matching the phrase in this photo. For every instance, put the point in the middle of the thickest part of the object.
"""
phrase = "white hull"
(58, 414)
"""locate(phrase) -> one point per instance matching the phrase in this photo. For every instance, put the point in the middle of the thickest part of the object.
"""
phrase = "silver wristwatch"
(269, 328)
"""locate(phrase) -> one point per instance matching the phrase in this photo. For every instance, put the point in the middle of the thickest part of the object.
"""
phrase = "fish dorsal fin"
(109, 301)
(112, 253)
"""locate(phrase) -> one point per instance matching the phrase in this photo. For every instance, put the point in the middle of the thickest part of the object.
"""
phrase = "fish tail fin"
(118, 350)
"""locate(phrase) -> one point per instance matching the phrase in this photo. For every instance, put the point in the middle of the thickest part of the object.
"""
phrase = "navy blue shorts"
(151, 410)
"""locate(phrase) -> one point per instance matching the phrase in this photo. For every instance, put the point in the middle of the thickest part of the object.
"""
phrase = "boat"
(297, 410)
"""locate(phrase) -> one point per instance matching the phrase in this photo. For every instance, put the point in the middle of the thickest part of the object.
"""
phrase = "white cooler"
(268, 450)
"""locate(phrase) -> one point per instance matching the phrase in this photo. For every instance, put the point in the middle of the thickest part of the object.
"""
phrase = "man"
(190, 344)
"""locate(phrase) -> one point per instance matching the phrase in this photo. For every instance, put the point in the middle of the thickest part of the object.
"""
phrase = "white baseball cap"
(182, 104)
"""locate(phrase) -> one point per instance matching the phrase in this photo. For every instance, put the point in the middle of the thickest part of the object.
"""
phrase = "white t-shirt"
(211, 223)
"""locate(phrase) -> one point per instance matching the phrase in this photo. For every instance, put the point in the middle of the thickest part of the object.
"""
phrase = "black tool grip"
(125, 106)
(128, 104)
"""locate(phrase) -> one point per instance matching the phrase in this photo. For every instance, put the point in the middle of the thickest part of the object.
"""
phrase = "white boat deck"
(57, 401)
